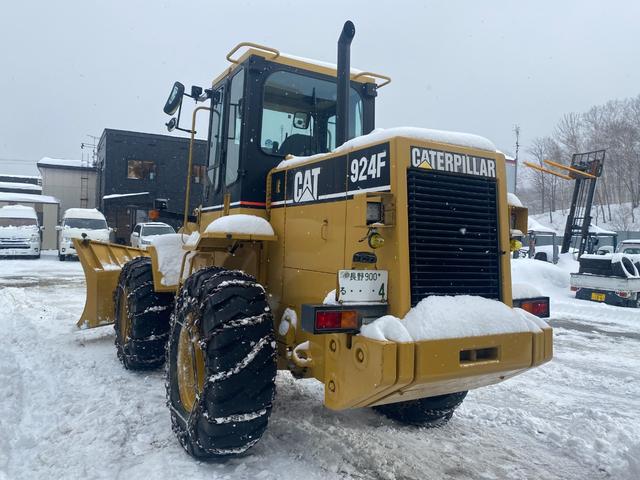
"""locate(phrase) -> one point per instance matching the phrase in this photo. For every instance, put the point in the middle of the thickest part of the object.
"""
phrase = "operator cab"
(268, 105)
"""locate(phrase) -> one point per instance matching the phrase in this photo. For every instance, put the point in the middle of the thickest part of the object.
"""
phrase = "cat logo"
(305, 185)
(453, 162)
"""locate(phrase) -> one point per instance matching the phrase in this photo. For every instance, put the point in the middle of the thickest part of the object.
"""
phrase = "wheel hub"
(190, 364)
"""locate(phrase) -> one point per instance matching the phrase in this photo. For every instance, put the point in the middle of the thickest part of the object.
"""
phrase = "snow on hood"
(22, 231)
(420, 134)
(170, 253)
(241, 224)
(439, 317)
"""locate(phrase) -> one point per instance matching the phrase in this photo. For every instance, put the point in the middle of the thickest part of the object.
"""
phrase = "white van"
(77, 221)
(19, 232)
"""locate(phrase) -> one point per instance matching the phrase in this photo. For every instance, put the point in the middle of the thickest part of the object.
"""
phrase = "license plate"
(362, 285)
(598, 297)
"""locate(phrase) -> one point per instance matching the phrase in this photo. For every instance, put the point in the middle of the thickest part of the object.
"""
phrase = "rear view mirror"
(301, 120)
(175, 99)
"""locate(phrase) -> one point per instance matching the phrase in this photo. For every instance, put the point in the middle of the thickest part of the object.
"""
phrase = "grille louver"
(453, 235)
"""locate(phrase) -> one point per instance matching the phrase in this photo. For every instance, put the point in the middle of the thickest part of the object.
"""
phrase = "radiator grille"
(453, 235)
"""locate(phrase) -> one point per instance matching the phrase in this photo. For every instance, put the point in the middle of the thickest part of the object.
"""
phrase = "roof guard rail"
(273, 51)
(386, 80)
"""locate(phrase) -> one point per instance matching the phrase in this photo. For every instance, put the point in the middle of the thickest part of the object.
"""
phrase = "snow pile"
(289, 320)
(92, 213)
(439, 317)
(193, 239)
(420, 134)
(548, 278)
(170, 253)
(524, 290)
(330, 298)
(241, 224)
(17, 211)
(513, 200)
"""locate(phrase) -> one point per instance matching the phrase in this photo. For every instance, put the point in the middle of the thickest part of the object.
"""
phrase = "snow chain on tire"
(142, 317)
(428, 412)
(225, 316)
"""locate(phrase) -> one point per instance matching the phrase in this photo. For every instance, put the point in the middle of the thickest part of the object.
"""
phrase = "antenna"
(93, 146)
(516, 130)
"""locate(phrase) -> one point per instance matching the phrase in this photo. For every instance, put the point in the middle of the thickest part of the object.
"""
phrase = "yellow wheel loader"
(314, 232)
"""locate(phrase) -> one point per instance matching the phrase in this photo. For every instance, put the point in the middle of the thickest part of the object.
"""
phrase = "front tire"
(142, 317)
(61, 257)
(428, 412)
(221, 365)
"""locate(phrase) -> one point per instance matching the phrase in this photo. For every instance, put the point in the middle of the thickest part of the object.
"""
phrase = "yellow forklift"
(312, 225)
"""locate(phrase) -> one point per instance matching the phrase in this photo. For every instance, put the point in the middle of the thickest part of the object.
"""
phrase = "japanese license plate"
(362, 285)
(598, 297)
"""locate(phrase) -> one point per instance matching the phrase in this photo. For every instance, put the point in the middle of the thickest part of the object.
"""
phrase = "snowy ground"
(69, 410)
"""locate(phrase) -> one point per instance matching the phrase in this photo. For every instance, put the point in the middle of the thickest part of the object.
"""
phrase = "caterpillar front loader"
(312, 225)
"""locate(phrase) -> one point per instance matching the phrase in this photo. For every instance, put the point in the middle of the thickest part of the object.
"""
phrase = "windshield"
(631, 250)
(299, 112)
(18, 222)
(150, 230)
(86, 223)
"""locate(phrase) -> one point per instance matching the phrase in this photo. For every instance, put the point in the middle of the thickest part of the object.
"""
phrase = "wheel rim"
(123, 318)
(190, 364)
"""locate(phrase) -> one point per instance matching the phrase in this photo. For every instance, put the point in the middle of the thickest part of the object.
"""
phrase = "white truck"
(75, 223)
(19, 232)
(609, 278)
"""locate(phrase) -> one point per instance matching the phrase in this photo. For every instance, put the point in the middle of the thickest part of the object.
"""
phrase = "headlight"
(66, 239)
(145, 242)
(35, 237)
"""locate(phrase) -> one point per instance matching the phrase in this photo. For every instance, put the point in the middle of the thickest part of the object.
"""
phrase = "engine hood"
(18, 232)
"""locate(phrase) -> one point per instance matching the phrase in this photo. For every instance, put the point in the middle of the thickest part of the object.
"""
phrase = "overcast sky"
(69, 69)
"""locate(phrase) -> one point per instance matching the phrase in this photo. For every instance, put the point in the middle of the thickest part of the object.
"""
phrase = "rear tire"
(221, 365)
(62, 258)
(142, 317)
(428, 412)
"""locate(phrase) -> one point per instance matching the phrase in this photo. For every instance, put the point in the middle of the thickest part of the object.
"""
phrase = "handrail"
(387, 80)
(276, 53)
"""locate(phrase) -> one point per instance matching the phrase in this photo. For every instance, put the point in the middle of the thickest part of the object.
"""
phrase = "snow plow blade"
(101, 263)
(373, 372)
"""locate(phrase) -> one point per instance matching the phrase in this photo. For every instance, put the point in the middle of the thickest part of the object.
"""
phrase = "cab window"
(298, 115)
(235, 127)
(215, 148)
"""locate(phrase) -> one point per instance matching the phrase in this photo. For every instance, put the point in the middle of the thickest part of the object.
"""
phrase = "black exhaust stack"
(344, 82)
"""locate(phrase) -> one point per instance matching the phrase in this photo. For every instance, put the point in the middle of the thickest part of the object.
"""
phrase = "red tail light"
(539, 308)
(336, 320)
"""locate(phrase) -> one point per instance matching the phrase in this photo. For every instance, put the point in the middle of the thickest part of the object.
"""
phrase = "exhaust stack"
(344, 82)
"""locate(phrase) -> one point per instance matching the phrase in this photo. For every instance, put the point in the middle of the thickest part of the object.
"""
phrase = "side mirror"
(171, 124)
(42, 228)
(175, 99)
(58, 227)
(135, 234)
(301, 120)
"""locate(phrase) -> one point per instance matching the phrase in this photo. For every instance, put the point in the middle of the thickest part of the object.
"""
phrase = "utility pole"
(516, 130)
(93, 146)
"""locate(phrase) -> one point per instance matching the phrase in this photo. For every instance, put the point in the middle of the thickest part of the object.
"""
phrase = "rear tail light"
(336, 320)
(624, 294)
(538, 307)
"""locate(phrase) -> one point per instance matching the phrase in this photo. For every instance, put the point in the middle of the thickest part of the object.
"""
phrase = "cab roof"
(317, 66)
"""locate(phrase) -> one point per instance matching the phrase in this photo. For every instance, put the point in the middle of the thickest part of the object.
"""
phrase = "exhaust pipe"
(344, 82)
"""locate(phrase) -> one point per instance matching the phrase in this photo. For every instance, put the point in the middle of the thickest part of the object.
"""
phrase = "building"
(20, 184)
(73, 182)
(136, 169)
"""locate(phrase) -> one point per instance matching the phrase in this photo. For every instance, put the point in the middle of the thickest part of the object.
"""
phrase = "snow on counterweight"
(439, 317)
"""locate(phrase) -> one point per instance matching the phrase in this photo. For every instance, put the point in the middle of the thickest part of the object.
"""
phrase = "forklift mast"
(585, 170)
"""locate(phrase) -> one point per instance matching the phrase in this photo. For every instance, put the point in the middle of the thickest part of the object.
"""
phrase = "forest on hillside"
(614, 127)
